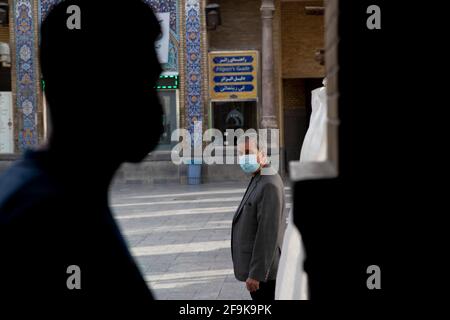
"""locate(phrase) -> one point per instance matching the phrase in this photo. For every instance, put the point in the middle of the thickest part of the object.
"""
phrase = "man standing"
(258, 225)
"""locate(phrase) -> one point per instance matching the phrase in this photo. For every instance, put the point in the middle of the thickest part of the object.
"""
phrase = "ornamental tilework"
(193, 64)
(26, 77)
(45, 6)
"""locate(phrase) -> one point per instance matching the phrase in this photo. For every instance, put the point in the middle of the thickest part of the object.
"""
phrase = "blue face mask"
(249, 163)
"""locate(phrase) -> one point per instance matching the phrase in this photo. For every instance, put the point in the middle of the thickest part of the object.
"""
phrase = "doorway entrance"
(234, 115)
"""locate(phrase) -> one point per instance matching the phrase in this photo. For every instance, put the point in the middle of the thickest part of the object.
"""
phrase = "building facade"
(227, 65)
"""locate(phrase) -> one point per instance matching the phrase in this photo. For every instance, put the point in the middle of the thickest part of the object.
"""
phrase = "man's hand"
(252, 284)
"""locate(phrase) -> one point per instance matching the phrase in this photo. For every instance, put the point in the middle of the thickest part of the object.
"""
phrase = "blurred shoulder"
(271, 178)
(24, 185)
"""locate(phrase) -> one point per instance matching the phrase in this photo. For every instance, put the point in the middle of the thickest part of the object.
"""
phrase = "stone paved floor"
(180, 236)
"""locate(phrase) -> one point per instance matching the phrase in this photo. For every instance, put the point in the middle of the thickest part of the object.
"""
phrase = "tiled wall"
(193, 63)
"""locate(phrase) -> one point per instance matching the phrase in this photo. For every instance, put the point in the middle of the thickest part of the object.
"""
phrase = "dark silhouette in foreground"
(99, 85)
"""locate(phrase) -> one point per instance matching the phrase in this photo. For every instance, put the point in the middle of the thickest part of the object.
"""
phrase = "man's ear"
(262, 159)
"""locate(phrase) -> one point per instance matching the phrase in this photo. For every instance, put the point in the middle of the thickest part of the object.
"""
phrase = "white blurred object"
(292, 282)
(6, 123)
(314, 146)
(162, 43)
(5, 54)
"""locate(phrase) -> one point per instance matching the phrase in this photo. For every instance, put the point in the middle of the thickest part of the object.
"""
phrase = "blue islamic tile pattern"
(167, 6)
(193, 64)
(45, 6)
(26, 77)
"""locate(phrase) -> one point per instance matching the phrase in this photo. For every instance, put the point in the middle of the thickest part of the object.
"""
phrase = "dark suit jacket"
(258, 229)
(49, 222)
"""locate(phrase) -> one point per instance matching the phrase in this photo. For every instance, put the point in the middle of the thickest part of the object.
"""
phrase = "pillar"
(193, 64)
(269, 118)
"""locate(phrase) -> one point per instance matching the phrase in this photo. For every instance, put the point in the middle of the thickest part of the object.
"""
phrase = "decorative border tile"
(44, 8)
(26, 100)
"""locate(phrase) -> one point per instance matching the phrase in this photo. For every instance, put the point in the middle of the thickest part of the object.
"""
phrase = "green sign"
(167, 82)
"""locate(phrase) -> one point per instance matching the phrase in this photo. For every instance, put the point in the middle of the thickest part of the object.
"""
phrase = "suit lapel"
(251, 188)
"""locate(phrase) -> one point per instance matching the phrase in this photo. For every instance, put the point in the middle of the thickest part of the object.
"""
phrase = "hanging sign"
(233, 75)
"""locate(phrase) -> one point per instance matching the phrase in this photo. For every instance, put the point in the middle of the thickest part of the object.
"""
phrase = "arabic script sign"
(233, 75)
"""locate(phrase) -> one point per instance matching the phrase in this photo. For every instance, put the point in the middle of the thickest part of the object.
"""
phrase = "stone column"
(269, 118)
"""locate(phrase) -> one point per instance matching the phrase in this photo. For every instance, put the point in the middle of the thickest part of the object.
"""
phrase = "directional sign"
(225, 79)
(233, 59)
(233, 75)
(234, 89)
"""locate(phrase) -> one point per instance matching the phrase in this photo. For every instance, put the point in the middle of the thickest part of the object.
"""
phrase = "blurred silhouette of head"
(100, 79)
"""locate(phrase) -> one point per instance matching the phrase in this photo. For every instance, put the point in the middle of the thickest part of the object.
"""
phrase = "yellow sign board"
(233, 75)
